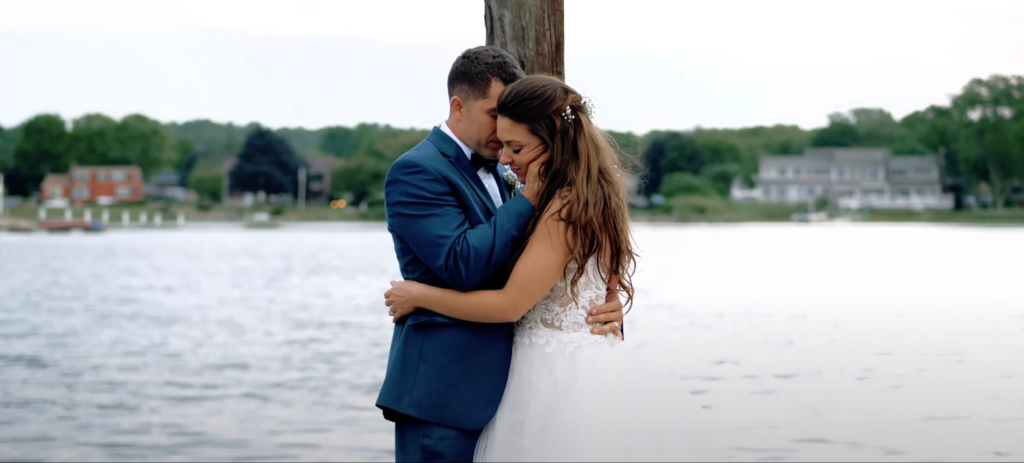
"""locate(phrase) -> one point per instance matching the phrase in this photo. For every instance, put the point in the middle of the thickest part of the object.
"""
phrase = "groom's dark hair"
(472, 72)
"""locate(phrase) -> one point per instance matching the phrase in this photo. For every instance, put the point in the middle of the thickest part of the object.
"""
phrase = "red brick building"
(87, 184)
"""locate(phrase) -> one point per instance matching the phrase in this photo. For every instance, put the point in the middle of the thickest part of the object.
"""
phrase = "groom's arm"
(422, 210)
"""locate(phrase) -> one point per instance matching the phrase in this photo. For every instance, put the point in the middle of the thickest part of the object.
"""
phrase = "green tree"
(937, 131)
(653, 162)
(93, 140)
(359, 176)
(6, 150)
(207, 186)
(144, 142)
(42, 148)
(305, 142)
(339, 141)
(209, 139)
(721, 176)
(841, 132)
(683, 154)
(686, 184)
(877, 128)
(991, 113)
(266, 163)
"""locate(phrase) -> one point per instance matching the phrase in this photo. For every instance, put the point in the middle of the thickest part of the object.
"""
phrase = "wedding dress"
(575, 396)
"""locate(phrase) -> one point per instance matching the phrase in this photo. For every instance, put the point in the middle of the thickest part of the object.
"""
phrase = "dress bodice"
(560, 322)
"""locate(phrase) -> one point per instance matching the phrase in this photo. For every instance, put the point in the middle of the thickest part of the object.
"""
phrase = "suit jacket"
(448, 233)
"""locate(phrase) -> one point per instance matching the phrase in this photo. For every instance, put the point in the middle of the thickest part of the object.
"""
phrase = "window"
(796, 172)
(923, 171)
(822, 172)
(874, 173)
(119, 176)
(103, 176)
(80, 192)
(781, 192)
(123, 192)
(897, 173)
(842, 172)
(56, 192)
(83, 176)
(782, 171)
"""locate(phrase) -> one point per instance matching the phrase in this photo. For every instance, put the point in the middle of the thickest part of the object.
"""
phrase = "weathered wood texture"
(533, 31)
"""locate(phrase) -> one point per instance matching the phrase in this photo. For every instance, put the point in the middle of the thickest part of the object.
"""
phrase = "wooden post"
(533, 31)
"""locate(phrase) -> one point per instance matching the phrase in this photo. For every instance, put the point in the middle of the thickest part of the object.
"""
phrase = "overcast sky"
(645, 64)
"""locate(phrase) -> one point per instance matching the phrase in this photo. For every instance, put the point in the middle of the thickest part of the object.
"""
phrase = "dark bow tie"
(479, 161)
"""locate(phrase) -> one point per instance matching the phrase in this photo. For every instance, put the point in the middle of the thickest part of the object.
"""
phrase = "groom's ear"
(456, 105)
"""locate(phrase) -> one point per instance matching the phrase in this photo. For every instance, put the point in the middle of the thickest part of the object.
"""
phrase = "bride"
(554, 407)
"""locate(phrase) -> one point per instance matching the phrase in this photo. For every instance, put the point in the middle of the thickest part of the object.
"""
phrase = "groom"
(455, 225)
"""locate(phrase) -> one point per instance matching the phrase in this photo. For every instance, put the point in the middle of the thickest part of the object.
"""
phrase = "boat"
(68, 225)
(261, 220)
(16, 225)
(809, 216)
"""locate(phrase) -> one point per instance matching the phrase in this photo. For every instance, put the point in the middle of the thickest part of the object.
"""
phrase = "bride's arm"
(536, 272)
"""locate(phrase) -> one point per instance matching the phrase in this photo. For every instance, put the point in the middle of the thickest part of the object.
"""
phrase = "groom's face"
(478, 124)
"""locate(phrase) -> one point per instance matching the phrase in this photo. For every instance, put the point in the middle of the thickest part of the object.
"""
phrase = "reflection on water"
(804, 343)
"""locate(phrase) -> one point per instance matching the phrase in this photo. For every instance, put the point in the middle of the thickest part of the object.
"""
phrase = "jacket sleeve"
(424, 212)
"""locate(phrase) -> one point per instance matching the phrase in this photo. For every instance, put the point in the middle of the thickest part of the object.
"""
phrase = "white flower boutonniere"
(512, 184)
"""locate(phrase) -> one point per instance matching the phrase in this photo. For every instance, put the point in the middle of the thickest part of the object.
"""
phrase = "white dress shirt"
(489, 182)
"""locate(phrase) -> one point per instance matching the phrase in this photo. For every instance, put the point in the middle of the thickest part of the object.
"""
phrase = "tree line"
(980, 135)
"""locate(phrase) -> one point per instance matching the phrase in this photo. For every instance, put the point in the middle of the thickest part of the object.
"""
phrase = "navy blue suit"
(445, 377)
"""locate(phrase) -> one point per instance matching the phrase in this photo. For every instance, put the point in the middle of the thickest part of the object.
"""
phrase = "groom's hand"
(609, 313)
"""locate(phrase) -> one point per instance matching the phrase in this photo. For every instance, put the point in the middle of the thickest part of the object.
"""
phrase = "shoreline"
(25, 219)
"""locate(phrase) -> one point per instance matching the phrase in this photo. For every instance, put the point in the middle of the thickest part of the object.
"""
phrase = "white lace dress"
(574, 396)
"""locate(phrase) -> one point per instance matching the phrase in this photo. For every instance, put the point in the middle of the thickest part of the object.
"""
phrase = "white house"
(852, 177)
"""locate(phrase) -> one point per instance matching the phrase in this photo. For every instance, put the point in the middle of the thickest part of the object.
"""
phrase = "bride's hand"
(401, 298)
(533, 182)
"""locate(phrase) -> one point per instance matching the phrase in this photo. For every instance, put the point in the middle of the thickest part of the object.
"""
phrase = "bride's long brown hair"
(583, 168)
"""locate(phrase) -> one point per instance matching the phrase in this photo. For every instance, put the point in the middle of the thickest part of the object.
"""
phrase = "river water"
(831, 342)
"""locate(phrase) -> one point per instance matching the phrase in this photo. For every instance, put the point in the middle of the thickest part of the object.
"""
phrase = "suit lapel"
(458, 158)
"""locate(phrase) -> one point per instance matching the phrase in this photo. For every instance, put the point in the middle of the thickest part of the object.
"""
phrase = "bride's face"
(519, 147)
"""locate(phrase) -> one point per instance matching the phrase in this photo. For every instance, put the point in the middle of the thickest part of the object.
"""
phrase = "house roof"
(849, 154)
(914, 161)
(56, 178)
(324, 164)
(166, 177)
(132, 167)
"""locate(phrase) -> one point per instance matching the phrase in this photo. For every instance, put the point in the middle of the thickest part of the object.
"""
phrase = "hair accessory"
(589, 105)
(567, 114)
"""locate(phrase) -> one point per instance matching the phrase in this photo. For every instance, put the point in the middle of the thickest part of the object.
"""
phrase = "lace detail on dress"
(557, 320)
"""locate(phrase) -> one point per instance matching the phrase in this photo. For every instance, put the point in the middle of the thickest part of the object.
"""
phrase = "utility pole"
(532, 31)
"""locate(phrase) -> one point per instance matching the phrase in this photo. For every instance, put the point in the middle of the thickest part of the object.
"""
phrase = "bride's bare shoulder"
(555, 211)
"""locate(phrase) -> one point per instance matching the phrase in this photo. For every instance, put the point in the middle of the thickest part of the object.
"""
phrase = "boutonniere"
(512, 184)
